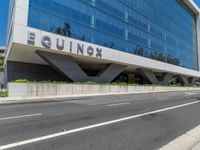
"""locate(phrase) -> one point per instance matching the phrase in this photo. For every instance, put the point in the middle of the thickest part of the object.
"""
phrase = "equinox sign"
(72, 46)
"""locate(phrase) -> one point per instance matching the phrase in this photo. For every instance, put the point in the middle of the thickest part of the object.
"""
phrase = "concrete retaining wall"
(50, 89)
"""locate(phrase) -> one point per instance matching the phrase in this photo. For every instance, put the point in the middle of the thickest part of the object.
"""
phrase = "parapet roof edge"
(192, 6)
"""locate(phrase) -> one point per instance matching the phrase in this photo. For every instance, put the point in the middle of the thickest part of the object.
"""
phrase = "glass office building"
(163, 30)
(134, 41)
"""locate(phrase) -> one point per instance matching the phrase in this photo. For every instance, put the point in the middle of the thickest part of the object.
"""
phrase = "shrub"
(90, 82)
(118, 83)
(134, 84)
(21, 81)
(4, 94)
(95, 83)
(75, 82)
(153, 85)
(47, 81)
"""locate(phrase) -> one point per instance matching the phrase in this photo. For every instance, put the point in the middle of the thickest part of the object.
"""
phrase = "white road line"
(164, 98)
(100, 103)
(22, 116)
(50, 136)
(125, 103)
(189, 93)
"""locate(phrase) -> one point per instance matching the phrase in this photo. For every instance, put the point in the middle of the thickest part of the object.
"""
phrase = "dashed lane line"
(21, 116)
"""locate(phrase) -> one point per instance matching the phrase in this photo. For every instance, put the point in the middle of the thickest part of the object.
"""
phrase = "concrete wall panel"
(49, 89)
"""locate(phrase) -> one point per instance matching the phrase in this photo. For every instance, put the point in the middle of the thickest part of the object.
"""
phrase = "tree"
(169, 58)
(172, 60)
(159, 57)
(65, 30)
(139, 50)
(1, 61)
(59, 30)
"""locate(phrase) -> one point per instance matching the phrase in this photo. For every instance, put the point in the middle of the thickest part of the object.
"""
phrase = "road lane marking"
(189, 93)
(21, 116)
(100, 103)
(50, 136)
(117, 104)
(163, 98)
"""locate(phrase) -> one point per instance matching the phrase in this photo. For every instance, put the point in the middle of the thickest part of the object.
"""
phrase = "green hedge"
(3, 94)
(94, 83)
(21, 81)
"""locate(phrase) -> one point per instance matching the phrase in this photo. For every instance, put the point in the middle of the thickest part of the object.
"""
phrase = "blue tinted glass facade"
(164, 30)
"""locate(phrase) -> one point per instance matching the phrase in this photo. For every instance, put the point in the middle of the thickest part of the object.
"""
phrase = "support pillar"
(187, 80)
(110, 73)
(151, 77)
(66, 65)
(71, 69)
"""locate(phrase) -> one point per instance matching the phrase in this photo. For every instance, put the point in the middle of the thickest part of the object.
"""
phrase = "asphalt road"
(28, 122)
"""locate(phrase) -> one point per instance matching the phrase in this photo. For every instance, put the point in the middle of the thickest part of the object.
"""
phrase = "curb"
(16, 100)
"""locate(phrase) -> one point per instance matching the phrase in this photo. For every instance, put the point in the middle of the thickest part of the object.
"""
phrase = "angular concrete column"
(192, 80)
(187, 80)
(148, 75)
(2, 76)
(198, 39)
(151, 77)
(66, 65)
(72, 70)
(183, 80)
(165, 77)
(110, 73)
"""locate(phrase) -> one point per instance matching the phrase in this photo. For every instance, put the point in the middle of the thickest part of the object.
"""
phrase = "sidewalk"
(196, 147)
(188, 141)
(14, 100)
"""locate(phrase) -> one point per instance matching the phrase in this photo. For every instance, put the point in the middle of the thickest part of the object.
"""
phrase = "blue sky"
(3, 19)
(198, 2)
